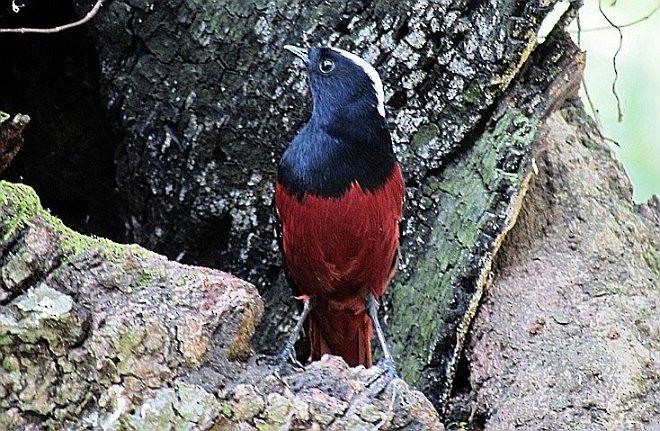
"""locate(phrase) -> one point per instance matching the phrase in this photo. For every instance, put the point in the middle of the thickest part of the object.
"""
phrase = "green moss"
(225, 410)
(10, 364)
(465, 209)
(472, 93)
(424, 135)
(19, 206)
(148, 276)
(74, 243)
(187, 279)
(127, 346)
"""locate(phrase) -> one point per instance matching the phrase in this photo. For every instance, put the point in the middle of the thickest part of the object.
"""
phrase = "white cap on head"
(371, 72)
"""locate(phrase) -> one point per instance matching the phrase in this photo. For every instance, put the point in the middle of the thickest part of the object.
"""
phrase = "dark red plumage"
(338, 249)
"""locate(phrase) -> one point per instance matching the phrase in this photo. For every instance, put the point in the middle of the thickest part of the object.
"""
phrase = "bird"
(339, 198)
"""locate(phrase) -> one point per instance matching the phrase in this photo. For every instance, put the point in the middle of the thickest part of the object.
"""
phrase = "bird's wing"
(280, 244)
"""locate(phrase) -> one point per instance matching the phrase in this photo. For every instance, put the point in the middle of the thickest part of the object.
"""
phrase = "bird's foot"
(282, 363)
(287, 356)
(389, 368)
(288, 353)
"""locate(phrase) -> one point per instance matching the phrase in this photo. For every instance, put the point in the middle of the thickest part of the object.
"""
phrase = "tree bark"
(207, 100)
(204, 101)
(97, 335)
(567, 337)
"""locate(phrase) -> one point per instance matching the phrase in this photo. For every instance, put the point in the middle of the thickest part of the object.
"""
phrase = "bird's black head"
(346, 140)
(342, 84)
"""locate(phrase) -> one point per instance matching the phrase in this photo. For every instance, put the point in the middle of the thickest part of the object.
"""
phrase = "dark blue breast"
(327, 156)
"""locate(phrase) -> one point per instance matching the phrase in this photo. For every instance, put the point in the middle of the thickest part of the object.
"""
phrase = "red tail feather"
(341, 329)
(339, 250)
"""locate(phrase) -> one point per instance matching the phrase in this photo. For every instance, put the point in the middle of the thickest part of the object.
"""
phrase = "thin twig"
(59, 28)
(618, 49)
(592, 106)
(594, 112)
(628, 24)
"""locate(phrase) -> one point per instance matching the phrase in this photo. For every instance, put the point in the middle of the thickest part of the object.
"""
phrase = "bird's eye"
(326, 65)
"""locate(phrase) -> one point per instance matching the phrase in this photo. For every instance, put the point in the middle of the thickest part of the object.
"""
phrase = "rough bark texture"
(96, 335)
(205, 100)
(478, 197)
(569, 336)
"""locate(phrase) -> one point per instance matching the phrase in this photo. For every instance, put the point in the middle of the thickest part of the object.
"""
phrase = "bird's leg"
(388, 361)
(287, 351)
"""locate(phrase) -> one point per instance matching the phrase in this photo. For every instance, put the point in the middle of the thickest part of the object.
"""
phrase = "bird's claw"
(285, 357)
(288, 353)
(389, 367)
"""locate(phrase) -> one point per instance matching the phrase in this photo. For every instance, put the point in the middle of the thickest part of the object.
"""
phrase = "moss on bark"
(100, 335)
(464, 195)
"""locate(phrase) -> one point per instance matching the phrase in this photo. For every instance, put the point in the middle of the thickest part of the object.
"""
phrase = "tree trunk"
(97, 335)
(206, 100)
(568, 335)
(203, 101)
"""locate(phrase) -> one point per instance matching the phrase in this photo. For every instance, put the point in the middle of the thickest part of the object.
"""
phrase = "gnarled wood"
(99, 335)
(567, 337)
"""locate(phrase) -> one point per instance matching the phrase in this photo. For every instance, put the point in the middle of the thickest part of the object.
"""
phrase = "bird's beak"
(301, 53)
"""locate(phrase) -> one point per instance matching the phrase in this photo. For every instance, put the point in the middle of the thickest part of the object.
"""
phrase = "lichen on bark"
(465, 208)
(565, 338)
(107, 336)
(205, 95)
(468, 207)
